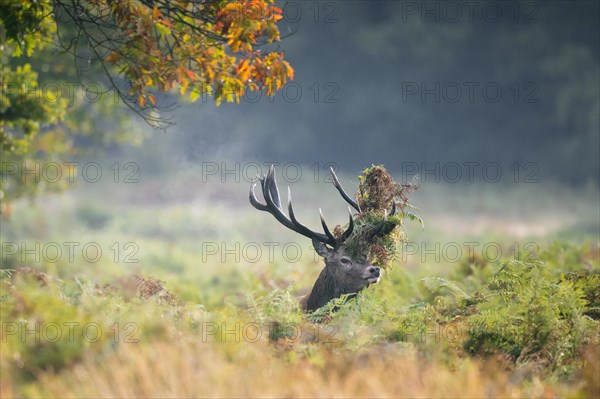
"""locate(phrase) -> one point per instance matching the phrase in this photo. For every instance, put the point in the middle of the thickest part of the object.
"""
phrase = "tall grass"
(194, 325)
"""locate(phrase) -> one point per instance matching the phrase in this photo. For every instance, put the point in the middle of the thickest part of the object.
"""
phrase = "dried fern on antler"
(378, 233)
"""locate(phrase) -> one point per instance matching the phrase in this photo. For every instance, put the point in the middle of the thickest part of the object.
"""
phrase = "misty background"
(493, 108)
(417, 85)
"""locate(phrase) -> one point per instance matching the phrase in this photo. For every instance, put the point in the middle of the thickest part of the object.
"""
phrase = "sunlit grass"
(398, 340)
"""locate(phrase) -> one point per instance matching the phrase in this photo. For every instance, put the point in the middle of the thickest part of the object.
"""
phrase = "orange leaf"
(165, 23)
(276, 13)
(290, 70)
(113, 58)
(155, 13)
(190, 74)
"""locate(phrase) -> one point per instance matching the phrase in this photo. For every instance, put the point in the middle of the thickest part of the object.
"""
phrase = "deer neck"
(325, 289)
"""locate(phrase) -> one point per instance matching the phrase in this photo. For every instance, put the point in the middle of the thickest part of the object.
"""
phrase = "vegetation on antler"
(377, 194)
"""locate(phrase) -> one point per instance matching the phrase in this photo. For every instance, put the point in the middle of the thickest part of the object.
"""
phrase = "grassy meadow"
(177, 287)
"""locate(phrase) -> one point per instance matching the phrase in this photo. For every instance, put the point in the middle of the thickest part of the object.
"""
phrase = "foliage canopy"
(134, 50)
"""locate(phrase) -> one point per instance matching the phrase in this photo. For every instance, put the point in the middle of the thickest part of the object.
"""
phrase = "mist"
(419, 87)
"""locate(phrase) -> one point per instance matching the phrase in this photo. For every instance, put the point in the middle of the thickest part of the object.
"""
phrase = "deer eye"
(346, 261)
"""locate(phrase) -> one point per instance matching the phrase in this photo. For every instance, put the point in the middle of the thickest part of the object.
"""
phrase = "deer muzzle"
(373, 274)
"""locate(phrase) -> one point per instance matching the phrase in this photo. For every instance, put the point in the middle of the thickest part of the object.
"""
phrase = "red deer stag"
(343, 273)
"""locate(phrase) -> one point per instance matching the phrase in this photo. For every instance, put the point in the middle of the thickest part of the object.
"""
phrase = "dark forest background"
(401, 82)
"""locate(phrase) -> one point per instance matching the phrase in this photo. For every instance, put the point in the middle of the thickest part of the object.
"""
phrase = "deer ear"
(322, 249)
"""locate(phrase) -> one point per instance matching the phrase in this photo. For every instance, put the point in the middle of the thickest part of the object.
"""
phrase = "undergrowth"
(537, 318)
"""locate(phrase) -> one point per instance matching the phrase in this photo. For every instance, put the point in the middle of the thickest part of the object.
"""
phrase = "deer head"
(343, 273)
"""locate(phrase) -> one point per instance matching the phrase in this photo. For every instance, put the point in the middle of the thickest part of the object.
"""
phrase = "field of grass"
(193, 294)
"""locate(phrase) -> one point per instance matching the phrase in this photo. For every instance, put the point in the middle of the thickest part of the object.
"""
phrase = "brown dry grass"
(196, 369)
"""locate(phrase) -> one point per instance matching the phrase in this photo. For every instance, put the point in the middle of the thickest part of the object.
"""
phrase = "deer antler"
(273, 206)
(337, 185)
(384, 227)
